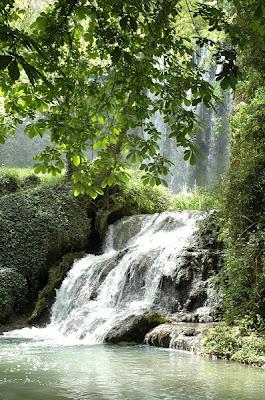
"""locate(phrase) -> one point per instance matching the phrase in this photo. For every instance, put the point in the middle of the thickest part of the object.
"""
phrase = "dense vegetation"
(243, 199)
(48, 224)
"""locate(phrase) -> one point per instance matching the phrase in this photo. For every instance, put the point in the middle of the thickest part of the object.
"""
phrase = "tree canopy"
(95, 74)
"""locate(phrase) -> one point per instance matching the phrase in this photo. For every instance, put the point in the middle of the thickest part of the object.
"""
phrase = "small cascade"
(99, 292)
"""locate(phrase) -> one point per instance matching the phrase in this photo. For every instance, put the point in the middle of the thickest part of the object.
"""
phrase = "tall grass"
(151, 199)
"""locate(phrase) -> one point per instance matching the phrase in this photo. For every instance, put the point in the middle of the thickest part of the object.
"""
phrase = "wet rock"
(192, 290)
(181, 336)
(133, 328)
(41, 312)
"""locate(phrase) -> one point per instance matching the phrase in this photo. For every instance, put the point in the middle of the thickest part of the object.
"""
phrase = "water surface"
(34, 371)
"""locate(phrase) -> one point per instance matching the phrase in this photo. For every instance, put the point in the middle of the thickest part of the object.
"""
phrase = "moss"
(47, 295)
(37, 227)
(229, 342)
(156, 318)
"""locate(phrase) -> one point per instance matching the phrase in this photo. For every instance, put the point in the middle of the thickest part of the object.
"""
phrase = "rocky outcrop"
(188, 298)
(46, 297)
(37, 228)
(181, 336)
(190, 294)
(134, 328)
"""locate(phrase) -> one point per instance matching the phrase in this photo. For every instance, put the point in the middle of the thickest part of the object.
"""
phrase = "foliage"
(201, 199)
(242, 197)
(244, 225)
(13, 292)
(224, 341)
(138, 198)
(11, 181)
(30, 181)
(8, 184)
(48, 223)
(110, 66)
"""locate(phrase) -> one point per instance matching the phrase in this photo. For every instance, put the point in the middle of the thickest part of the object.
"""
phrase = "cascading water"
(101, 291)
(212, 138)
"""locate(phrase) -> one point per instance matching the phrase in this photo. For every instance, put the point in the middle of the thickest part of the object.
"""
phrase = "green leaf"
(76, 160)
(186, 155)
(4, 61)
(192, 159)
(13, 71)
(99, 145)
(196, 101)
(77, 192)
(116, 54)
(100, 191)
(37, 168)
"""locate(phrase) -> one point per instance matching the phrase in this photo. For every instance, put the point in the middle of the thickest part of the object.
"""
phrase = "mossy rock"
(46, 297)
(134, 328)
(38, 227)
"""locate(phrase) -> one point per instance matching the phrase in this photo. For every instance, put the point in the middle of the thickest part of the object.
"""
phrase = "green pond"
(33, 371)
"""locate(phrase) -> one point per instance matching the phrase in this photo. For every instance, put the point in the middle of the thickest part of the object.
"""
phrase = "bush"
(138, 198)
(30, 182)
(224, 341)
(8, 184)
(22, 175)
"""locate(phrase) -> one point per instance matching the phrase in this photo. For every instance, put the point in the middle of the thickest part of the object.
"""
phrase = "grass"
(22, 173)
(151, 199)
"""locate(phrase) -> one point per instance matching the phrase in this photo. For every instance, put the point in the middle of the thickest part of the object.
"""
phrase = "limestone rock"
(133, 328)
(181, 336)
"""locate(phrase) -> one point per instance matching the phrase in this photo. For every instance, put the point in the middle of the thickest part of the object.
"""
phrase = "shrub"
(8, 184)
(138, 198)
(224, 341)
(30, 181)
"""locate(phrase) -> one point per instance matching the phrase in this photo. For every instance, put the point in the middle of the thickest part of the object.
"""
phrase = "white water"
(100, 291)
(212, 137)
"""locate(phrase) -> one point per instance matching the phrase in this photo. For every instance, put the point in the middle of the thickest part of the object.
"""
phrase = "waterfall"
(212, 137)
(100, 291)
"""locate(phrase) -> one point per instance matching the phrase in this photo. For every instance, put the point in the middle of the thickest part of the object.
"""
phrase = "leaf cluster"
(100, 72)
